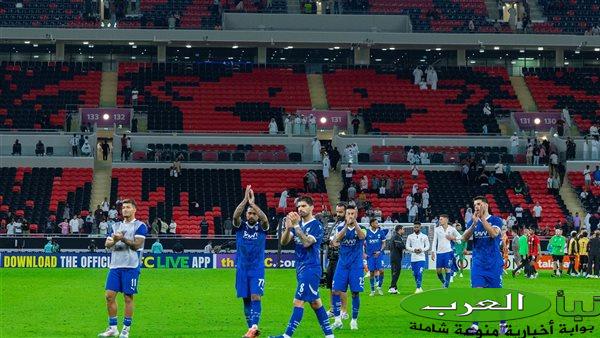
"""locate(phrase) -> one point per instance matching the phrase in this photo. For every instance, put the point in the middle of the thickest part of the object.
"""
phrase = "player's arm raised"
(492, 230)
(286, 235)
(470, 229)
(360, 232)
(264, 220)
(307, 240)
(237, 214)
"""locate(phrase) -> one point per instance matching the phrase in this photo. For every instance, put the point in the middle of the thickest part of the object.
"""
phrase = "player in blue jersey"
(374, 247)
(487, 262)
(349, 270)
(251, 238)
(125, 241)
(307, 234)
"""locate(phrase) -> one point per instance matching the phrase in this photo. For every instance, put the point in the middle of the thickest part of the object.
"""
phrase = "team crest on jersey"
(250, 236)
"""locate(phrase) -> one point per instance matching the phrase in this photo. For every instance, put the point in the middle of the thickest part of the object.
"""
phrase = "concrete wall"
(46, 162)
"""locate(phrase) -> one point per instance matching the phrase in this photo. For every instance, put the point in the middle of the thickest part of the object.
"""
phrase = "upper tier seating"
(390, 103)
(35, 95)
(217, 191)
(213, 96)
(45, 13)
(573, 17)
(37, 193)
(442, 154)
(215, 152)
(575, 88)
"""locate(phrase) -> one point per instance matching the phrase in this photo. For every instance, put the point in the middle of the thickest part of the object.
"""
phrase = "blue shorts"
(123, 280)
(375, 263)
(444, 260)
(486, 280)
(307, 289)
(249, 283)
(418, 267)
(352, 276)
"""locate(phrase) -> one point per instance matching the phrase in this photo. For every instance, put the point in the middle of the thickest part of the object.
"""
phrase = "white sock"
(338, 319)
(329, 336)
(286, 336)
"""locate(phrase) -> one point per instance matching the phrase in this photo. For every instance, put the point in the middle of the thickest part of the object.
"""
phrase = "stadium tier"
(38, 193)
(442, 154)
(210, 97)
(592, 202)
(46, 13)
(573, 17)
(575, 88)
(217, 192)
(391, 103)
(216, 152)
(35, 95)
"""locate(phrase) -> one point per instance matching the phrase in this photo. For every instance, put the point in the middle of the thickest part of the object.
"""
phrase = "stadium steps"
(334, 184)
(567, 192)
(318, 94)
(523, 93)
(102, 176)
(108, 91)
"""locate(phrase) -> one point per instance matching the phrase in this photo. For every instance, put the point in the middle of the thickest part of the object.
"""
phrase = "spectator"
(86, 149)
(48, 247)
(64, 227)
(157, 247)
(471, 26)
(593, 130)
(418, 75)
(537, 212)
(304, 122)
(349, 173)
(74, 225)
(364, 184)
(595, 148)
(123, 147)
(67, 212)
(312, 125)
(586, 148)
(425, 199)
(432, 77)
(597, 176)
(382, 191)
(487, 110)
(412, 213)
(355, 125)
(164, 227)
(103, 227)
(326, 165)
(55, 246)
(414, 172)
(155, 227)
(105, 150)
(173, 227)
(409, 201)
(92, 246)
(287, 125)
(113, 213)
(576, 222)
(40, 149)
(228, 224)
(16, 148)
(134, 97)
(529, 154)
(208, 248)
(297, 125)
(351, 192)
(273, 130)
(519, 213)
(204, 226)
(335, 158)
(468, 215)
(178, 247)
(511, 221)
(587, 177)
(89, 224)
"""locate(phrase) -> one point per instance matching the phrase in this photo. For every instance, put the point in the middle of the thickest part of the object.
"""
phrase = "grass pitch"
(202, 303)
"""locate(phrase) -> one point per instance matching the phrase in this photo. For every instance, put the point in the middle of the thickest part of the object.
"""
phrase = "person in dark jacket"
(397, 246)
(333, 248)
(594, 256)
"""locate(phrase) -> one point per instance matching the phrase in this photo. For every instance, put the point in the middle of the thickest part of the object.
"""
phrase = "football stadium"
(299, 168)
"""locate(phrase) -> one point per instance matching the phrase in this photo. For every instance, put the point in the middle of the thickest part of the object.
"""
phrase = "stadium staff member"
(397, 246)
(594, 256)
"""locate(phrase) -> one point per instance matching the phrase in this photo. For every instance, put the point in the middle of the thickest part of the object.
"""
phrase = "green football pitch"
(202, 303)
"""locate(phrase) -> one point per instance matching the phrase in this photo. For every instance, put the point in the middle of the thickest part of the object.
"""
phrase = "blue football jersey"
(250, 242)
(486, 250)
(374, 241)
(309, 258)
(351, 247)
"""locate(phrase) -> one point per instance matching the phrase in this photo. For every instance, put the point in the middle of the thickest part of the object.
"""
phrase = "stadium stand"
(574, 17)
(45, 13)
(35, 95)
(591, 203)
(575, 88)
(217, 192)
(211, 97)
(443, 154)
(214, 152)
(40, 193)
(390, 103)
